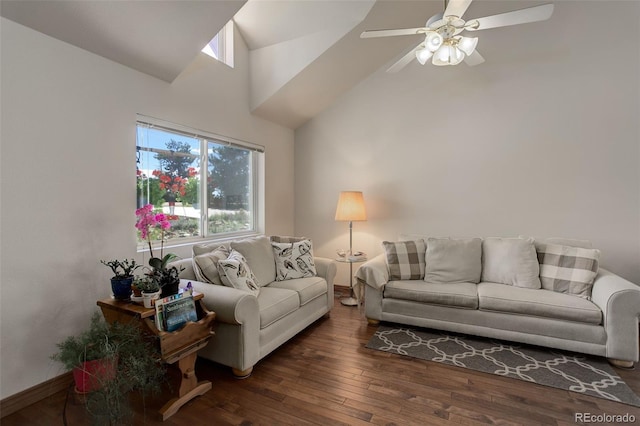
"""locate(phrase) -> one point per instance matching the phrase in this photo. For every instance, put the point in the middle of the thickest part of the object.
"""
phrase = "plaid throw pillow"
(405, 259)
(565, 269)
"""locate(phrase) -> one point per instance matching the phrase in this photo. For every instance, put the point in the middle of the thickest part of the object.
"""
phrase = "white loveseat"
(250, 325)
(515, 289)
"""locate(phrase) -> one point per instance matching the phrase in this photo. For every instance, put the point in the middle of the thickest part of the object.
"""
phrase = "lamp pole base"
(349, 301)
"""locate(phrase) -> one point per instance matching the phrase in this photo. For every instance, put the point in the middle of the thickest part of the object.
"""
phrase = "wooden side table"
(179, 346)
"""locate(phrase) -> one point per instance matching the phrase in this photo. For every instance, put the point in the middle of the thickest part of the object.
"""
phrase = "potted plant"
(149, 289)
(122, 277)
(108, 363)
(166, 277)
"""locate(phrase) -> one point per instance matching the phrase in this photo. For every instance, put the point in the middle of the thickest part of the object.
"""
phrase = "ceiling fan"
(443, 42)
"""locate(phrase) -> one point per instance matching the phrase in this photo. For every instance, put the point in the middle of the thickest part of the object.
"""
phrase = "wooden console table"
(180, 346)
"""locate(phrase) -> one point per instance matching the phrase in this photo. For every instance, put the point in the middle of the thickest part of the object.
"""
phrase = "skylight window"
(221, 46)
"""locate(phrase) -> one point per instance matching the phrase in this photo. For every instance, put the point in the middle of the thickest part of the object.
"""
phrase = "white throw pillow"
(259, 255)
(205, 266)
(511, 261)
(566, 269)
(453, 260)
(199, 249)
(235, 272)
(294, 260)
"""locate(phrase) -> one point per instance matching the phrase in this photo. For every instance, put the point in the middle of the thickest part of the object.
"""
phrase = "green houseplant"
(149, 289)
(122, 277)
(126, 361)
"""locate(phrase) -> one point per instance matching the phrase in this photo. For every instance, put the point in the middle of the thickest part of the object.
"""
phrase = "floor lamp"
(350, 208)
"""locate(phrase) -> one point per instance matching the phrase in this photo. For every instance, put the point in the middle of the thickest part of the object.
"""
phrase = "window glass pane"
(229, 189)
(168, 176)
(221, 45)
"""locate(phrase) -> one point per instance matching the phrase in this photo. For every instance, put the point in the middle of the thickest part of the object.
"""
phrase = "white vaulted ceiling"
(303, 53)
(159, 38)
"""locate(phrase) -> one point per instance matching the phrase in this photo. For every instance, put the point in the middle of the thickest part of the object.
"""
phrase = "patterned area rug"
(565, 370)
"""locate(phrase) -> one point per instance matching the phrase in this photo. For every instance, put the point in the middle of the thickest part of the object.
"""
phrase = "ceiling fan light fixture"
(423, 55)
(467, 44)
(447, 55)
(433, 41)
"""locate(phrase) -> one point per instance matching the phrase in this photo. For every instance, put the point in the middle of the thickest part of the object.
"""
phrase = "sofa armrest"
(619, 301)
(374, 272)
(232, 306)
(326, 268)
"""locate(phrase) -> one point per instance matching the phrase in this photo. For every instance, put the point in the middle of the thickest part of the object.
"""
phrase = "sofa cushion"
(405, 259)
(537, 302)
(205, 266)
(235, 272)
(259, 255)
(511, 261)
(276, 303)
(565, 269)
(286, 239)
(307, 288)
(462, 295)
(199, 249)
(572, 242)
(453, 260)
(294, 260)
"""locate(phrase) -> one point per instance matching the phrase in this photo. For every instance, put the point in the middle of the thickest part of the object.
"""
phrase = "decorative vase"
(171, 288)
(121, 288)
(149, 298)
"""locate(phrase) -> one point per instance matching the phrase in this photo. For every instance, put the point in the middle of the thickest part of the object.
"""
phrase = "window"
(221, 45)
(206, 184)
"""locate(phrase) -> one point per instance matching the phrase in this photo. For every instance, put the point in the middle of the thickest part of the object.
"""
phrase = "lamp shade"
(351, 206)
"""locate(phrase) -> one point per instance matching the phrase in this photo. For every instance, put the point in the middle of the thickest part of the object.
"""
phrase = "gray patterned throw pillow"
(235, 272)
(405, 259)
(294, 260)
(566, 269)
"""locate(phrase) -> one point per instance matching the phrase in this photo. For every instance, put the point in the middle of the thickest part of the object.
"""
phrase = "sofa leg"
(241, 374)
(373, 322)
(620, 363)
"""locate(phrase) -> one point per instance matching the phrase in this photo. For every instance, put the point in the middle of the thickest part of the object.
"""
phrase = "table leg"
(189, 386)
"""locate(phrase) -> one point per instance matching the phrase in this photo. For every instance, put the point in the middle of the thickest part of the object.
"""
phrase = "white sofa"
(601, 319)
(248, 326)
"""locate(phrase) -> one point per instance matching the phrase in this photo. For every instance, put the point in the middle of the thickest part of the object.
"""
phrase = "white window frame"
(256, 195)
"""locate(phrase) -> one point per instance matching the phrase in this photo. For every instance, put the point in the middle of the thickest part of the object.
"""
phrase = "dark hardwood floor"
(326, 376)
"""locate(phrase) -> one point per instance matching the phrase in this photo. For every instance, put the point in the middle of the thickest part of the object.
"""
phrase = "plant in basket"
(166, 277)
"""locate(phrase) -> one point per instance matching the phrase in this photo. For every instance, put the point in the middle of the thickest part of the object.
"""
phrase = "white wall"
(541, 144)
(68, 156)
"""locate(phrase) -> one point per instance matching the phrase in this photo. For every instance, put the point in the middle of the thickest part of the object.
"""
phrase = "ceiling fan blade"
(523, 16)
(390, 33)
(404, 61)
(474, 59)
(457, 8)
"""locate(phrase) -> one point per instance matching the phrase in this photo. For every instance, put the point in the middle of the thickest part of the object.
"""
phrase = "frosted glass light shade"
(423, 55)
(468, 44)
(433, 41)
(351, 206)
(448, 55)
